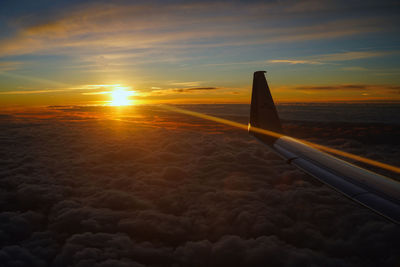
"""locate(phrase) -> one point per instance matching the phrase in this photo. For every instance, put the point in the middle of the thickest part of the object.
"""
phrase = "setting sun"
(120, 97)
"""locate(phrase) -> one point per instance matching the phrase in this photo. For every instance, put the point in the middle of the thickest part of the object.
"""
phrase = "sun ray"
(278, 135)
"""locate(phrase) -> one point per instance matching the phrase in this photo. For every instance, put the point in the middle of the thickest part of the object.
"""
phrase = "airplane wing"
(376, 192)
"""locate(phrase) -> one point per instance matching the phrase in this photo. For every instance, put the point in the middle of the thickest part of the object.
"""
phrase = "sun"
(120, 97)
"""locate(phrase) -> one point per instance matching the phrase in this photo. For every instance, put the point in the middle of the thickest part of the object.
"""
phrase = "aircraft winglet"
(263, 112)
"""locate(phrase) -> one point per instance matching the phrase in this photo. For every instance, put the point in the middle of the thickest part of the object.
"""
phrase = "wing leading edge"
(376, 192)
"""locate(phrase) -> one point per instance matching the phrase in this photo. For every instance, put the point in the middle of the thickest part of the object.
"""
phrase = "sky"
(82, 184)
(75, 52)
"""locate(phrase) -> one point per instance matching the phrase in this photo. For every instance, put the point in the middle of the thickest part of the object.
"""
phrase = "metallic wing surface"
(376, 192)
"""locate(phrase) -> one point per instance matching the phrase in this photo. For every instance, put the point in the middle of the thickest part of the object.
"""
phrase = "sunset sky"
(128, 139)
(67, 52)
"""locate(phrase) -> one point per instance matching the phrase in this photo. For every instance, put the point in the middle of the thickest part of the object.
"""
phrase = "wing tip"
(263, 113)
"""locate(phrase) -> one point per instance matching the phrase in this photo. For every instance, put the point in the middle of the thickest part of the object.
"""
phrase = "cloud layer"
(155, 188)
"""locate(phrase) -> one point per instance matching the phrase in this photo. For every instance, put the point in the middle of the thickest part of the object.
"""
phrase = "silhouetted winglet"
(263, 112)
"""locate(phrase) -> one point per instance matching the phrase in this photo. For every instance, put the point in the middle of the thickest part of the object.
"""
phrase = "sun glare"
(120, 97)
